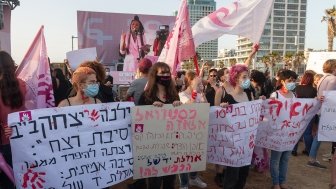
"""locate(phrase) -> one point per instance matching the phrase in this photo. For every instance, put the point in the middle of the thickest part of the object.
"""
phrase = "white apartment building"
(284, 31)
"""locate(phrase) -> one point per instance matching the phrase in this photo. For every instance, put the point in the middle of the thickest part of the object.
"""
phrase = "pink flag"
(245, 18)
(35, 71)
(179, 45)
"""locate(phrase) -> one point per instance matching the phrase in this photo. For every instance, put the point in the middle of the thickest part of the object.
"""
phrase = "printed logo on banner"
(25, 116)
(139, 128)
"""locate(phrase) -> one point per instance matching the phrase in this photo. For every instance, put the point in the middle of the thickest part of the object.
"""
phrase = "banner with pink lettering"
(327, 123)
(5, 42)
(232, 133)
(284, 121)
(169, 140)
(103, 30)
(34, 70)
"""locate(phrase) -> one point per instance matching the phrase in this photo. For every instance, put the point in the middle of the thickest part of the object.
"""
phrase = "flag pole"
(196, 64)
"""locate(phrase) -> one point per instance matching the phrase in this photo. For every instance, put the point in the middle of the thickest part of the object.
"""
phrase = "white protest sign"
(284, 121)
(316, 60)
(75, 58)
(83, 147)
(327, 123)
(232, 133)
(169, 140)
(122, 77)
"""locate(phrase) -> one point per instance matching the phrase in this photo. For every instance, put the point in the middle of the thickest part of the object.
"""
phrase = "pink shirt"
(5, 110)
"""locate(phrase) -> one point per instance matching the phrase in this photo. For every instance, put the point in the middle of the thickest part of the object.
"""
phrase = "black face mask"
(163, 80)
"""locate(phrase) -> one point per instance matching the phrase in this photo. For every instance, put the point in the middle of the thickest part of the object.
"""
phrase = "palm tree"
(331, 20)
(298, 60)
(233, 62)
(288, 59)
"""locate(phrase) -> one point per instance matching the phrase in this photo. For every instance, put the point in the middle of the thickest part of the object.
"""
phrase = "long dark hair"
(9, 85)
(152, 89)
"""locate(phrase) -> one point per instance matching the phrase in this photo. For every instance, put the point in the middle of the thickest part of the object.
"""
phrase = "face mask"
(163, 80)
(290, 86)
(107, 73)
(245, 84)
(91, 90)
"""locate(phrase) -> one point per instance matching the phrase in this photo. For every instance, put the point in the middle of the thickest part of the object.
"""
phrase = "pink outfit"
(5, 110)
(131, 62)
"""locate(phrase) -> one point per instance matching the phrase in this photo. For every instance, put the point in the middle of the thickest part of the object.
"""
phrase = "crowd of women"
(157, 87)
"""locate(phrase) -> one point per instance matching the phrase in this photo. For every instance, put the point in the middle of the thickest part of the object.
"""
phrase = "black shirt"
(305, 91)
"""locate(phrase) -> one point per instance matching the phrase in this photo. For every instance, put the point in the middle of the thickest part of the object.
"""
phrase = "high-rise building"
(284, 31)
(197, 10)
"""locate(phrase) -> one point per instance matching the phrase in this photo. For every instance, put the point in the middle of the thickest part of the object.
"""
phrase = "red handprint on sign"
(251, 144)
(94, 115)
(33, 179)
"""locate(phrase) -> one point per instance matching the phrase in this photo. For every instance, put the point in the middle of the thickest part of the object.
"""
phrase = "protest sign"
(122, 78)
(73, 147)
(284, 121)
(316, 60)
(169, 140)
(232, 133)
(75, 58)
(327, 124)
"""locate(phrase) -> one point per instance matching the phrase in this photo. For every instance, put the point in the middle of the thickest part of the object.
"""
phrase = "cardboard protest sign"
(83, 147)
(327, 124)
(122, 78)
(232, 133)
(284, 121)
(75, 58)
(169, 140)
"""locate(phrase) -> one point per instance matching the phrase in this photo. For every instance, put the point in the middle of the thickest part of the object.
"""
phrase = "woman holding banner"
(279, 160)
(235, 177)
(160, 90)
(192, 94)
(12, 99)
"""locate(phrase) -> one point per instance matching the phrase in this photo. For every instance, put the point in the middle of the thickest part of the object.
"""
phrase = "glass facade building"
(197, 10)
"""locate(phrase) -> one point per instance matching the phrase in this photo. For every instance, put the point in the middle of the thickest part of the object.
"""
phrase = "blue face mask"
(245, 84)
(91, 90)
(290, 86)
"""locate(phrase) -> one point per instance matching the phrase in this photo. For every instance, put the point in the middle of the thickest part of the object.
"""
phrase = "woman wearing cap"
(133, 45)
(137, 86)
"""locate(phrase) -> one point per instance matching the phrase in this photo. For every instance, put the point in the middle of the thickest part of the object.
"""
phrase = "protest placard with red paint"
(169, 140)
(284, 121)
(85, 146)
(327, 124)
(232, 133)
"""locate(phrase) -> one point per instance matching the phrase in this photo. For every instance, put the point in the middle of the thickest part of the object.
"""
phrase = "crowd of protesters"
(156, 86)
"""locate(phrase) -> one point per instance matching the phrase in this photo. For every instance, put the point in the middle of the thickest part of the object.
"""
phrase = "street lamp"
(72, 43)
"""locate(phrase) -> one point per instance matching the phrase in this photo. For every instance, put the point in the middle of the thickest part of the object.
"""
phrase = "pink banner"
(103, 31)
(5, 42)
(34, 70)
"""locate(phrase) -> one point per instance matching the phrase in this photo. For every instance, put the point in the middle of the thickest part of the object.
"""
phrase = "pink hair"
(235, 71)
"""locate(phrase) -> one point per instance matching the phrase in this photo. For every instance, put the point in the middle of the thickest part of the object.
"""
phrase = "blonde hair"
(189, 76)
(80, 75)
(329, 66)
